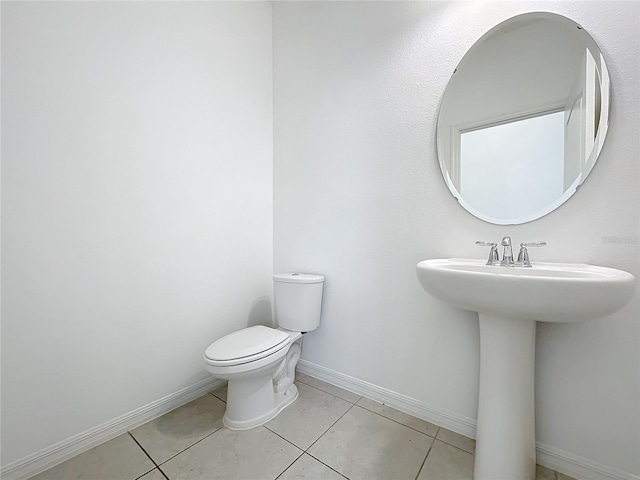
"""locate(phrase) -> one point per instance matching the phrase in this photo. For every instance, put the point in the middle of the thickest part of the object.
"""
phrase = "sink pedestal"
(505, 436)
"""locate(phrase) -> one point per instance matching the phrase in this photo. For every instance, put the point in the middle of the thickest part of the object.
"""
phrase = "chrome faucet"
(507, 256)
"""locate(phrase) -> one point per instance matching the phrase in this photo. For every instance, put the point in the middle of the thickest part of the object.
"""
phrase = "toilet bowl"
(259, 362)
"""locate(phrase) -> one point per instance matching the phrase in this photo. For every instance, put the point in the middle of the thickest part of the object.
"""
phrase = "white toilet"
(259, 362)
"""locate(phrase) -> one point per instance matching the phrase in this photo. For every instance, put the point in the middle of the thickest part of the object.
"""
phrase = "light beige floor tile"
(445, 462)
(153, 475)
(544, 473)
(464, 443)
(307, 467)
(364, 445)
(400, 417)
(119, 458)
(254, 454)
(221, 393)
(313, 412)
(327, 387)
(171, 433)
(562, 476)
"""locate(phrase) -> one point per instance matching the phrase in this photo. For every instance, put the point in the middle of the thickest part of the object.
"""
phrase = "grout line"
(454, 446)
(282, 473)
(194, 443)
(425, 458)
(278, 435)
(400, 423)
(181, 451)
(215, 396)
(330, 426)
(338, 396)
(137, 478)
(163, 474)
(328, 466)
(319, 437)
(147, 454)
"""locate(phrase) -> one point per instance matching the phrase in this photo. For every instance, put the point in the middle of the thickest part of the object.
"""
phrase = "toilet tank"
(298, 300)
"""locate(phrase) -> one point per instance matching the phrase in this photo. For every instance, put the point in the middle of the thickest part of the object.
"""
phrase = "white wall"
(358, 197)
(136, 203)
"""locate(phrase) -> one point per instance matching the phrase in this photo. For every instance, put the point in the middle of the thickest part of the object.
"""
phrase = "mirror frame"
(604, 85)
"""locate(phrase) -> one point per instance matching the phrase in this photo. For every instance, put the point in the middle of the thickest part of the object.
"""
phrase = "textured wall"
(358, 197)
(136, 203)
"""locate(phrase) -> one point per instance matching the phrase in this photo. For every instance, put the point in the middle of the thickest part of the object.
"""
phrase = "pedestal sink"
(509, 301)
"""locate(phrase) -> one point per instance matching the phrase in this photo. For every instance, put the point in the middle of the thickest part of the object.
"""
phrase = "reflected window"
(521, 161)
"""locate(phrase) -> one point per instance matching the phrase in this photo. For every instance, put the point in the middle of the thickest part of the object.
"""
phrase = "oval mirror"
(523, 118)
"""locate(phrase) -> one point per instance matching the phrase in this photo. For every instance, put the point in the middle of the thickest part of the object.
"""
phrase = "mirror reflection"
(523, 118)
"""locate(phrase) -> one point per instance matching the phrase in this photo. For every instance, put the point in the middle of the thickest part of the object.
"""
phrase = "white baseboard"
(547, 456)
(457, 423)
(59, 452)
(578, 467)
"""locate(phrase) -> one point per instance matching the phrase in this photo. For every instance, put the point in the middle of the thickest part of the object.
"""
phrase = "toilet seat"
(246, 345)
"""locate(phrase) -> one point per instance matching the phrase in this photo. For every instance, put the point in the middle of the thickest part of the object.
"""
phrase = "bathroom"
(162, 160)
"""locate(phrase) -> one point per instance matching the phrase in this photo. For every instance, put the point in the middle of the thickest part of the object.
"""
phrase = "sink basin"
(547, 292)
(509, 302)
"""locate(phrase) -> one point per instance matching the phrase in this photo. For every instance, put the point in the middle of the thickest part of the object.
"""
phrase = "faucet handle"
(533, 244)
(523, 255)
(482, 243)
(493, 253)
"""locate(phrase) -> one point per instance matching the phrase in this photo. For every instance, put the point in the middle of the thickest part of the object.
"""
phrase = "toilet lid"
(248, 342)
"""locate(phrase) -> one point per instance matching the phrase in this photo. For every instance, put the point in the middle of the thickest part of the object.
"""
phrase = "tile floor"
(327, 433)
